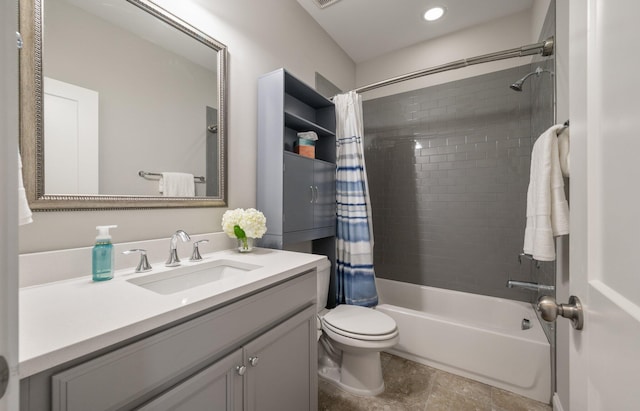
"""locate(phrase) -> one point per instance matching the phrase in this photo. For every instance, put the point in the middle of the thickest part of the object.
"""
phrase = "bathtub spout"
(530, 286)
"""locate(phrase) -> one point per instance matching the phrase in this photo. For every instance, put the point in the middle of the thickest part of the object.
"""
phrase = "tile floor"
(411, 386)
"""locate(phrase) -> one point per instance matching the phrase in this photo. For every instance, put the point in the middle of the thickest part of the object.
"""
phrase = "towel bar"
(564, 126)
(146, 174)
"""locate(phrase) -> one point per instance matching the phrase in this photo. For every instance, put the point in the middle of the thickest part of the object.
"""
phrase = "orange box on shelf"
(305, 151)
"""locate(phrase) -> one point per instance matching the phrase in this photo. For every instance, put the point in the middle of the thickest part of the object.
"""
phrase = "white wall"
(501, 34)
(261, 36)
(538, 14)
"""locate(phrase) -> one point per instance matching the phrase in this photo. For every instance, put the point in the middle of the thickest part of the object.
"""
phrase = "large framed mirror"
(121, 102)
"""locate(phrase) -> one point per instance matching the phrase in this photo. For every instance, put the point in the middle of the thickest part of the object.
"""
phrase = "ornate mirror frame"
(32, 122)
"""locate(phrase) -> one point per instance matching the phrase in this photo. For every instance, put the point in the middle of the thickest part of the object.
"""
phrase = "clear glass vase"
(245, 245)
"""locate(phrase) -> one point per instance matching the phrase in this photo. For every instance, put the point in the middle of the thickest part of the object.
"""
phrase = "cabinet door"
(216, 388)
(325, 194)
(298, 193)
(282, 366)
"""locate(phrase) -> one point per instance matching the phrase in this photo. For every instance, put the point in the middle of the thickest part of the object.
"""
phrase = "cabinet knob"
(311, 190)
(241, 369)
(253, 361)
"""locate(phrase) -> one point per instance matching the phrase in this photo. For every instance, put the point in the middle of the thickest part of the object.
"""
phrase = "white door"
(605, 204)
(9, 201)
(71, 138)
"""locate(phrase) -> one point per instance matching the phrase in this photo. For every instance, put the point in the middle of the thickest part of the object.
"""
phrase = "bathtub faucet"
(529, 286)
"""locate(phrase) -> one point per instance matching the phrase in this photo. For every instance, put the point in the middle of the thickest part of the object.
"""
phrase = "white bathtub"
(471, 335)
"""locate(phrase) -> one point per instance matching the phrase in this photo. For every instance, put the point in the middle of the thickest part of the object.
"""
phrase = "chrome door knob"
(549, 310)
(253, 361)
(241, 369)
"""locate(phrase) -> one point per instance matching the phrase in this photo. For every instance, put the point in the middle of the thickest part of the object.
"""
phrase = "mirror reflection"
(119, 85)
(130, 101)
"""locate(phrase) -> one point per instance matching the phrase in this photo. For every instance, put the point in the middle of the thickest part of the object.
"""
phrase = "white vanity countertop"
(67, 319)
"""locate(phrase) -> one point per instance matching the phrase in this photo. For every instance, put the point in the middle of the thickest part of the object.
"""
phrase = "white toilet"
(350, 339)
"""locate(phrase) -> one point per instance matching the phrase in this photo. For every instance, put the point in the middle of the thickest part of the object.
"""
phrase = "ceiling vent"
(325, 3)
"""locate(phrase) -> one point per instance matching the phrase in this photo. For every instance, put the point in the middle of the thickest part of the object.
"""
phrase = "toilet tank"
(324, 275)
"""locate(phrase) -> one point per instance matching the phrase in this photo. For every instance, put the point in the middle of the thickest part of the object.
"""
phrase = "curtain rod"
(544, 48)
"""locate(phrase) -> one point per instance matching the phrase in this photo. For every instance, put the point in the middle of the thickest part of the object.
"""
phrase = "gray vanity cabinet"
(296, 193)
(256, 353)
(271, 372)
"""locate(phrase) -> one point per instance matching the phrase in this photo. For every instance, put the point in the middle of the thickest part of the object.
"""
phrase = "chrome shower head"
(517, 86)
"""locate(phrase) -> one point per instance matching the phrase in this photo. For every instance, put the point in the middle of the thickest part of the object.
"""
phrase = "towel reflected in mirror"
(177, 185)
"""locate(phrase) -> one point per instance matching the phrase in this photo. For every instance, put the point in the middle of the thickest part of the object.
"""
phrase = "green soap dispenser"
(102, 255)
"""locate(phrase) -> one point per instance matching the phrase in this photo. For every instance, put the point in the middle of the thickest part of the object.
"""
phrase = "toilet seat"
(360, 323)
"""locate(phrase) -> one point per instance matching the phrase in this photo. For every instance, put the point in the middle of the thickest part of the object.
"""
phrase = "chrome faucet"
(143, 264)
(173, 260)
(529, 286)
(195, 255)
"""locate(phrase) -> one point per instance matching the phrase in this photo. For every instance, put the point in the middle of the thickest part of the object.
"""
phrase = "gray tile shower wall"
(448, 170)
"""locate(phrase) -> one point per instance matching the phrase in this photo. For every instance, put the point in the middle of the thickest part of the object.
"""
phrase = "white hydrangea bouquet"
(245, 225)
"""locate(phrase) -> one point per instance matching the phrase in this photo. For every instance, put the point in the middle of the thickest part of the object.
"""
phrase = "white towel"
(177, 185)
(547, 208)
(24, 212)
(563, 151)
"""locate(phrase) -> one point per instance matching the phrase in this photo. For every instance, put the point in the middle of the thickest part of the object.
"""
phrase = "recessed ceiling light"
(434, 13)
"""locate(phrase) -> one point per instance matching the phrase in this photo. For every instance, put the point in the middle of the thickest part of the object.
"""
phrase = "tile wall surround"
(448, 171)
(58, 265)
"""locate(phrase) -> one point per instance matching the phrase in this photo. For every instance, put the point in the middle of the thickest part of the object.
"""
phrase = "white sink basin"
(183, 278)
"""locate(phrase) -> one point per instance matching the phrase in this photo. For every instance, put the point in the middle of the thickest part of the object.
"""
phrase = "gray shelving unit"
(296, 193)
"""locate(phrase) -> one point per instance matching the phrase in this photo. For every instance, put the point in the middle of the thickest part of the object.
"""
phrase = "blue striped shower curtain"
(355, 275)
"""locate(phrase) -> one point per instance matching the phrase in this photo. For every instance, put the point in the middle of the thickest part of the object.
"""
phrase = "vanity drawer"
(132, 374)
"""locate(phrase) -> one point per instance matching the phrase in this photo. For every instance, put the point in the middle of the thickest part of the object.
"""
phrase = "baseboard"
(557, 405)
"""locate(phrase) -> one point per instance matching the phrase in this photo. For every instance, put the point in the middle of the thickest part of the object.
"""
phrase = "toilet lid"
(353, 319)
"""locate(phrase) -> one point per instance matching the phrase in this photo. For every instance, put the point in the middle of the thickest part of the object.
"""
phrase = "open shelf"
(300, 124)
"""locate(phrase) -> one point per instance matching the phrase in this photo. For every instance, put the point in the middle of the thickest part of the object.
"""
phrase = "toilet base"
(358, 373)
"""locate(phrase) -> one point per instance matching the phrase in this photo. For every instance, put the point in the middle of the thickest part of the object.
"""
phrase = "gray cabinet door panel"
(298, 193)
(284, 376)
(309, 195)
(325, 201)
(216, 388)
